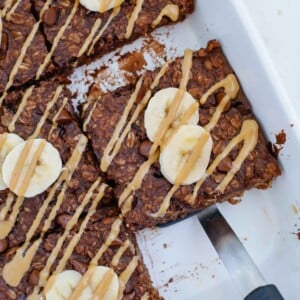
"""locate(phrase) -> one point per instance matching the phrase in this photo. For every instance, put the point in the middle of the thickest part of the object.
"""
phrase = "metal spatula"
(237, 261)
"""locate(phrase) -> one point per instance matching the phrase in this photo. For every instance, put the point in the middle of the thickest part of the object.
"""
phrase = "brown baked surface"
(60, 128)
(209, 67)
(94, 237)
(65, 34)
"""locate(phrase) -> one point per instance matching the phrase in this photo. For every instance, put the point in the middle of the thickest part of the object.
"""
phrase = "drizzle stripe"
(114, 13)
(57, 39)
(47, 111)
(137, 9)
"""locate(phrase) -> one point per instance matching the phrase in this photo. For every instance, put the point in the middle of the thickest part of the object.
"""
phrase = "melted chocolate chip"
(64, 118)
(145, 147)
(50, 16)
(3, 245)
(225, 165)
(34, 278)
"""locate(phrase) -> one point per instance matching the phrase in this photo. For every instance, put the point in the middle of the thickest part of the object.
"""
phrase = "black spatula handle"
(267, 292)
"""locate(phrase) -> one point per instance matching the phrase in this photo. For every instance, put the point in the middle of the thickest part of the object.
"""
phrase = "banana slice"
(176, 154)
(97, 283)
(7, 142)
(62, 285)
(158, 108)
(31, 167)
(101, 5)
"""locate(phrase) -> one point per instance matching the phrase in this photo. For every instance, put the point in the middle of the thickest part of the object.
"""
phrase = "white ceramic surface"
(182, 262)
(265, 220)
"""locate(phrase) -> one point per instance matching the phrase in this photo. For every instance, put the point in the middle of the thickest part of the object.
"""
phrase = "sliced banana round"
(97, 283)
(61, 286)
(101, 5)
(175, 157)
(31, 167)
(7, 142)
(159, 106)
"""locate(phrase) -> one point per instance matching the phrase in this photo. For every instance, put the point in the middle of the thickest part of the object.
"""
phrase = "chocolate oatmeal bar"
(45, 111)
(45, 37)
(101, 239)
(239, 158)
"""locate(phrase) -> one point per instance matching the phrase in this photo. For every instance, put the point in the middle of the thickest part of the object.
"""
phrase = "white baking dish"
(181, 260)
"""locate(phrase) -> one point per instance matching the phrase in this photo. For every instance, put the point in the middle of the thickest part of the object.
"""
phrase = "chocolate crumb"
(281, 138)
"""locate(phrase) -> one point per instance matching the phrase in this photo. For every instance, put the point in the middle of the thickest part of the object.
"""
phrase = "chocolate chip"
(3, 45)
(3, 245)
(225, 165)
(63, 219)
(64, 118)
(145, 147)
(219, 97)
(50, 16)
(79, 266)
(34, 278)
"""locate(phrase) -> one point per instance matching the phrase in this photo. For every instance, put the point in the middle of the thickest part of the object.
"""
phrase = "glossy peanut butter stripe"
(121, 251)
(23, 51)
(114, 13)
(137, 9)
(54, 120)
(25, 253)
(170, 10)
(44, 273)
(114, 233)
(57, 39)
(89, 116)
(7, 225)
(125, 199)
(126, 274)
(69, 249)
(26, 96)
(123, 126)
(6, 7)
(13, 9)
(50, 104)
(90, 37)
(24, 169)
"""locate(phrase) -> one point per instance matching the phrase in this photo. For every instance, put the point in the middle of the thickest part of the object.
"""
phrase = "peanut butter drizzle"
(7, 225)
(57, 39)
(184, 120)
(103, 286)
(114, 233)
(114, 13)
(22, 259)
(12, 10)
(44, 273)
(116, 259)
(24, 49)
(4, 211)
(7, 5)
(231, 89)
(126, 274)
(47, 111)
(88, 118)
(171, 11)
(182, 174)
(118, 136)
(137, 9)
(22, 173)
(90, 37)
(69, 250)
(54, 120)
(125, 200)
(27, 94)
(248, 135)
(3, 138)
(107, 158)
